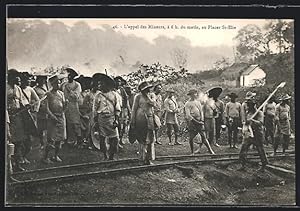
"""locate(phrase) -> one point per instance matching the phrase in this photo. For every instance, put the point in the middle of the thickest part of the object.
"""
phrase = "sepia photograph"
(150, 111)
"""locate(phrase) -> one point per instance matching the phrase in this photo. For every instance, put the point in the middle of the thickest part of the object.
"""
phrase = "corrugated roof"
(249, 69)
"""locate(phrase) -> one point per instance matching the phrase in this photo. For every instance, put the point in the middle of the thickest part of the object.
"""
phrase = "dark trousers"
(270, 133)
(121, 130)
(27, 145)
(269, 125)
(256, 141)
(171, 127)
(73, 132)
(19, 148)
(113, 146)
(233, 131)
(195, 129)
(281, 139)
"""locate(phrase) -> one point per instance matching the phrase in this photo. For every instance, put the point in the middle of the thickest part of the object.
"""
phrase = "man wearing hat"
(253, 134)
(171, 110)
(72, 90)
(219, 112)
(283, 125)
(158, 109)
(85, 83)
(210, 114)
(125, 107)
(56, 126)
(143, 121)
(107, 110)
(233, 119)
(17, 126)
(269, 120)
(249, 96)
(29, 99)
(195, 120)
(87, 110)
(41, 90)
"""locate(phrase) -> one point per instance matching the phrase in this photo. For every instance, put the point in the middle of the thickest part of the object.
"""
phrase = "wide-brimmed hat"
(71, 71)
(120, 78)
(250, 95)
(156, 85)
(85, 82)
(192, 91)
(215, 91)
(42, 77)
(144, 85)
(25, 75)
(285, 97)
(107, 80)
(13, 73)
(232, 95)
(53, 79)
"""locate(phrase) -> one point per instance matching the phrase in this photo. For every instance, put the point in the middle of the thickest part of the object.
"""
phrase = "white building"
(249, 75)
(243, 75)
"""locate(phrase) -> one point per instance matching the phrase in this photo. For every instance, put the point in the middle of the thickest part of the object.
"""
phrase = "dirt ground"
(207, 185)
(199, 185)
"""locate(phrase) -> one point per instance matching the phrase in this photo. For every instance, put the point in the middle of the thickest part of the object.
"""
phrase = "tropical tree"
(250, 43)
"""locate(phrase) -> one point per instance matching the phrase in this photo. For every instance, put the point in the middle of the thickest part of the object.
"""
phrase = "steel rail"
(129, 160)
(132, 169)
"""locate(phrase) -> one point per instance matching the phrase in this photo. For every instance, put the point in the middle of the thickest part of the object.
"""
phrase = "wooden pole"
(282, 84)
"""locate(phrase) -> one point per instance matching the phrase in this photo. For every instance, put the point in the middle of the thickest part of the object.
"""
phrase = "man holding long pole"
(253, 131)
(256, 137)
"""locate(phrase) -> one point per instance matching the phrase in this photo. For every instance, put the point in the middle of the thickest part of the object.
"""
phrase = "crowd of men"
(89, 112)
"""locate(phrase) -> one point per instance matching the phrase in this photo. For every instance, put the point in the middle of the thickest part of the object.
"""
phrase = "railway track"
(106, 168)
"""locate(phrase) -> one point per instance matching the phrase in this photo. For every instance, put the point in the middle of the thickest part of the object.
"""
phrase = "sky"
(204, 32)
(205, 41)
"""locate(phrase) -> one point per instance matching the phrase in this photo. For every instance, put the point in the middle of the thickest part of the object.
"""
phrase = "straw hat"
(71, 72)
